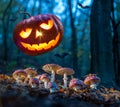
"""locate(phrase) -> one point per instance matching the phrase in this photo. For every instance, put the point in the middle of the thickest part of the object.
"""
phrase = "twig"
(25, 13)
(84, 7)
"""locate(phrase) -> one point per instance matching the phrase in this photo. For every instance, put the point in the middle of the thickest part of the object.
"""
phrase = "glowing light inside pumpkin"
(47, 26)
(26, 33)
(38, 33)
(41, 46)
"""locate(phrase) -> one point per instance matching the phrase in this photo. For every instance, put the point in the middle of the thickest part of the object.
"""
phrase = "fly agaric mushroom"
(76, 84)
(53, 87)
(92, 80)
(45, 78)
(31, 72)
(51, 68)
(19, 75)
(38, 77)
(65, 72)
(34, 82)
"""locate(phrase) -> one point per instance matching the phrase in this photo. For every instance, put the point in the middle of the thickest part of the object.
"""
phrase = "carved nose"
(38, 33)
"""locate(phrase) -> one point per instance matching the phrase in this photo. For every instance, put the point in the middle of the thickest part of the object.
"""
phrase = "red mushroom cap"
(76, 82)
(21, 73)
(38, 77)
(45, 77)
(31, 71)
(33, 80)
(91, 79)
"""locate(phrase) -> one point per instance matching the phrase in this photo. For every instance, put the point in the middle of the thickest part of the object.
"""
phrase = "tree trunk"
(73, 40)
(101, 41)
(116, 45)
(118, 29)
(5, 25)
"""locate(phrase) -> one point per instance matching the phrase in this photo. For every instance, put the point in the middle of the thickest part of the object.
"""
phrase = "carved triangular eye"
(26, 33)
(47, 26)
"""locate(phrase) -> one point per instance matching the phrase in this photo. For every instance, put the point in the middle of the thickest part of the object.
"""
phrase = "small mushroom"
(45, 78)
(53, 87)
(19, 75)
(51, 68)
(76, 84)
(65, 72)
(31, 72)
(34, 82)
(92, 80)
(39, 79)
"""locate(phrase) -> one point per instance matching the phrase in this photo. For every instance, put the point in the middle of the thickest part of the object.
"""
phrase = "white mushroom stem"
(46, 84)
(33, 85)
(93, 86)
(29, 76)
(40, 86)
(76, 88)
(40, 81)
(52, 90)
(65, 80)
(25, 82)
(18, 80)
(72, 77)
(52, 76)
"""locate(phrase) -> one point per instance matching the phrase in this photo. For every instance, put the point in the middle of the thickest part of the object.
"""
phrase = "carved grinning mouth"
(41, 46)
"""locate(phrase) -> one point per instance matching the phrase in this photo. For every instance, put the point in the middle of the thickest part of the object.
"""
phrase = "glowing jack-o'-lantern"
(38, 34)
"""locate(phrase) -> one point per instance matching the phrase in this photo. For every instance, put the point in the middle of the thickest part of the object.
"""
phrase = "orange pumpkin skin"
(38, 34)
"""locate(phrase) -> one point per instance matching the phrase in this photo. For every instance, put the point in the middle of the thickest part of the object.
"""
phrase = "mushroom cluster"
(30, 80)
(30, 77)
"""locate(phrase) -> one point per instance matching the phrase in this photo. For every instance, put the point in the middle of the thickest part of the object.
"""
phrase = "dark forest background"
(91, 42)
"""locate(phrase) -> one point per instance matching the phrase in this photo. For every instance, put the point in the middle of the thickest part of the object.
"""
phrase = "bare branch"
(25, 13)
(84, 7)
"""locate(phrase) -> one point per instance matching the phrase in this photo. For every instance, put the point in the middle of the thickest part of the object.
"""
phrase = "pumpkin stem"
(26, 13)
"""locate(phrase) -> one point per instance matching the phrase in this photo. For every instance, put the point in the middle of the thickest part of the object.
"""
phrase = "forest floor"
(14, 95)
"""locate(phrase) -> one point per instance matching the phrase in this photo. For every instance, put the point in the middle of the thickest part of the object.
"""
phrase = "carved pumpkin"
(38, 34)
